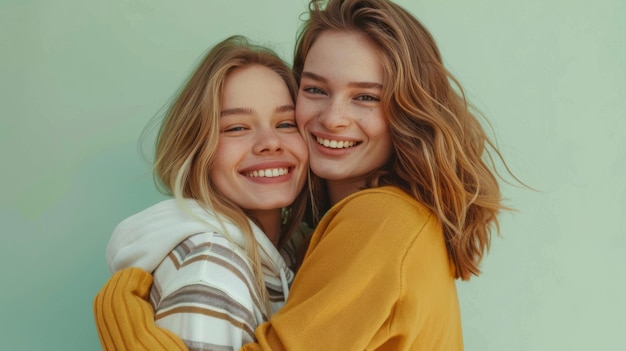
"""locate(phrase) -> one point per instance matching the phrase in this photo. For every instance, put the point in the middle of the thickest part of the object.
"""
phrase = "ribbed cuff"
(124, 317)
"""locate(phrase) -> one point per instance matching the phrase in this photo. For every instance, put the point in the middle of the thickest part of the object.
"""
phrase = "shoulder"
(205, 259)
(385, 215)
(387, 202)
(203, 246)
(204, 256)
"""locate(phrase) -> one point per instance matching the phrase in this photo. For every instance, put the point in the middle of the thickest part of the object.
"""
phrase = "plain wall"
(79, 79)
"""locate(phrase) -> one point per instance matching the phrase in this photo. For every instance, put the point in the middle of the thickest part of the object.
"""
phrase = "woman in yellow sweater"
(406, 200)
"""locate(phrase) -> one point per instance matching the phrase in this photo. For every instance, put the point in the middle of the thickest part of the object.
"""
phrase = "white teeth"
(336, 144)
(268, 173)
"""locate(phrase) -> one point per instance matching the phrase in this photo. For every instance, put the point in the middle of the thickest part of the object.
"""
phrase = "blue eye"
(234, 129)
(367, 98)
(313, 90)
(288, 125)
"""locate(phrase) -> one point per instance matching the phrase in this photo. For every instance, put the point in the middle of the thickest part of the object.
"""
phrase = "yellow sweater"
(377, 276)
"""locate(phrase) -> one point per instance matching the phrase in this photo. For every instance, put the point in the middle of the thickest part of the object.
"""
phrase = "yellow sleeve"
(344, 294)
(125, 319)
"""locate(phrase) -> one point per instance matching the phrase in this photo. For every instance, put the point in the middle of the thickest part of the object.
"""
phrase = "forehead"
(254, 85)
(345, 55)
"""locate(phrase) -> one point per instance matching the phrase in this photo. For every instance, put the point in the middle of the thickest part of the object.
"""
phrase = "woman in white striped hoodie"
(230, 155)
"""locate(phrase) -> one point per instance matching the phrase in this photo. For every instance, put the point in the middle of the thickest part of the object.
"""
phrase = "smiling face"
(340, 113)
(261, 158)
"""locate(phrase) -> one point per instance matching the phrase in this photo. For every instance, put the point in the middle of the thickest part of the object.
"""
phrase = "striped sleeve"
(204, 292)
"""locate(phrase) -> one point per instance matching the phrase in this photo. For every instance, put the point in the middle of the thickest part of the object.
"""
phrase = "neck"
(339, 189)
(269, 222)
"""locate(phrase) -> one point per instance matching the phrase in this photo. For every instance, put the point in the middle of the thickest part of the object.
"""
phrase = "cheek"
(229, 149)
(378, 126)
(225, 158)
(216, 173)
(298, 147)
(304, 112)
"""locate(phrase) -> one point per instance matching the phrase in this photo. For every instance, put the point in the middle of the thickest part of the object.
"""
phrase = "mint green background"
(79, 79)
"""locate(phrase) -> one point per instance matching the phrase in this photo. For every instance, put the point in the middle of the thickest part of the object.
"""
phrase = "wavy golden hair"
(441, 150)
(188, 138)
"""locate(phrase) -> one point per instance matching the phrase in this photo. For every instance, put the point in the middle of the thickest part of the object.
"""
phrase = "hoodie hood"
(144, 239)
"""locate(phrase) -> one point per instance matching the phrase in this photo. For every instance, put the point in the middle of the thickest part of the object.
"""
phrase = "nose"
(267, 141)
(335, 114)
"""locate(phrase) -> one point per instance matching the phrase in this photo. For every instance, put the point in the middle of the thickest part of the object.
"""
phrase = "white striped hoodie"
(203, 288)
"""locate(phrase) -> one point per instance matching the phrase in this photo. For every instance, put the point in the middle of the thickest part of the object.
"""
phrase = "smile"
(336, 144)
(267, 173)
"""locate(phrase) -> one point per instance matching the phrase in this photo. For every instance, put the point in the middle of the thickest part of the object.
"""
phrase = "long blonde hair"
(188, 139)
(441, 150)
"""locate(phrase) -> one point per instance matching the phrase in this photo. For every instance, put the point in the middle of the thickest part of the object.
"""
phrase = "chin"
(277, 204)
(329, 174)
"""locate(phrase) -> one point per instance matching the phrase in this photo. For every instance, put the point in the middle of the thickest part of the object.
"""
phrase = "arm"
(204, 292)
(125, 319)
(205, 299)
(346, 291)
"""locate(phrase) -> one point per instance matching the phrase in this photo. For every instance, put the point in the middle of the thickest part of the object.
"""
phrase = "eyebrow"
(249, 111)
(236, 111)
(367, 85)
